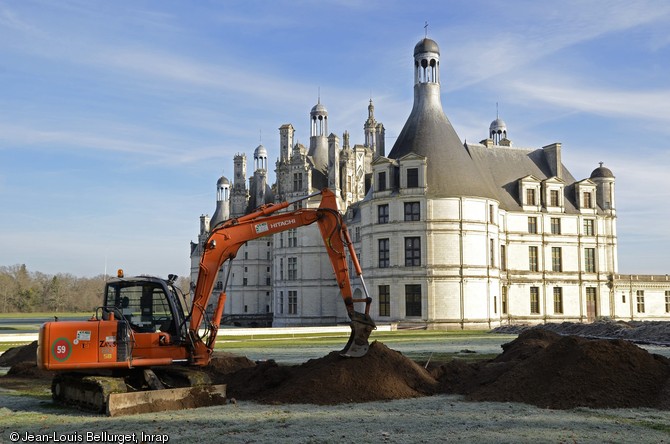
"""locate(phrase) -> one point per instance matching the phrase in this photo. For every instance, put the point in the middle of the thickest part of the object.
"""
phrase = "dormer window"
(381, 181)
(552, 194)
(585, 195)
(529, 193)
(412, 177)
(587, 200)
(530, 196)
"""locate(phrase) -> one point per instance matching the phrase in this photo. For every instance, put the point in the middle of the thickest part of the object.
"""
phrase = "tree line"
(24, 291)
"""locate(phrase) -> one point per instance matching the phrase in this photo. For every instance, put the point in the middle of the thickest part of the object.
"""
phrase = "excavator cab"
(148, 305)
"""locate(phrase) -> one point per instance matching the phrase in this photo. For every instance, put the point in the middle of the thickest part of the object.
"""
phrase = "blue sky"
(117, 118)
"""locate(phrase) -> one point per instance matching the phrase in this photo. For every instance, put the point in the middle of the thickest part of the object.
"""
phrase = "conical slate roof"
(451, 172)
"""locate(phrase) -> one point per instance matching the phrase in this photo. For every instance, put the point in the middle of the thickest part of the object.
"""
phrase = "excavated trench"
(540, 367)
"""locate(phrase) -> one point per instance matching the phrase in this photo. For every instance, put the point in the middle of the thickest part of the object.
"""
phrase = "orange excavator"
(142, 349)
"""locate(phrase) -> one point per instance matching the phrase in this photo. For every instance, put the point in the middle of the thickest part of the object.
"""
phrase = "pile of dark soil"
(22, 362)
(562, 372)
(382, 374)
(15, 355)
(223, 363)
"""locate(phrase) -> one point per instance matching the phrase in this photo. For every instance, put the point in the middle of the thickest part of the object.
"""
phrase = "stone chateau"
(450, 235)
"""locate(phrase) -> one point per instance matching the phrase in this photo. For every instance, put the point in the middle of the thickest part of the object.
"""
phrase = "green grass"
(400, 335)
(18, 328)
(43, 315)
(4, 346)
(326, 339)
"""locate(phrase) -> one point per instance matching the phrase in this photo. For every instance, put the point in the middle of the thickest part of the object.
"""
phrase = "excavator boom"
(226, 239)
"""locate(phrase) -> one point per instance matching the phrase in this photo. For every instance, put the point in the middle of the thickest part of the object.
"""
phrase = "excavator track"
(114, 396)
(89, 393)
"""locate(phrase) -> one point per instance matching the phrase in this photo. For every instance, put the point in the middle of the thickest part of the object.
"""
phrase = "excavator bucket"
(168, 399)
(361, 328)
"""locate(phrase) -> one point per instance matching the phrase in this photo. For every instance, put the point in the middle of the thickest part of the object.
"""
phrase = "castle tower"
(222, 212)
(497, 131)
(260, 175)
(334, 164)
(604, 180)
(318, 141)
(240, 194)
(286, 133)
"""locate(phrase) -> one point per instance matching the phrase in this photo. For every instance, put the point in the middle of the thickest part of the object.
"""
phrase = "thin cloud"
(483, 56)
(648, 105)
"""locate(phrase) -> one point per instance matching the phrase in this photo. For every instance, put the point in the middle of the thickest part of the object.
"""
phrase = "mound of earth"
(224, 363)
(645, 332)
(562, 372)
(382, 374)
(27, 369)
(15, 355)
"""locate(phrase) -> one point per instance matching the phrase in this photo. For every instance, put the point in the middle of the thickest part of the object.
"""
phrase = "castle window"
(412, 211)
(589, 227)
(412, 251)
(383, 214)
(292, 302)
(535, 300)
(556, 259)
(384, 253)
(292, 237)
(532, 259)
(532, 225)
(588, 203)
(244, 281)
(492, 252)
(555, 225)
(297, 181)
(384, 297)
(503, 258)
(281, 268)
(591, 296)
(590, 260)
(640, 301)
(553, 198)
(530, 196)
(281, 302)
(503, 301)
(292, 268)
(412, 177)
(381, 181)
(667, 301)
(413, 300)
(558, 300)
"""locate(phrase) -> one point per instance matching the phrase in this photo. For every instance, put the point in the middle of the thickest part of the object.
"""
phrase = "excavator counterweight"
(142, 348)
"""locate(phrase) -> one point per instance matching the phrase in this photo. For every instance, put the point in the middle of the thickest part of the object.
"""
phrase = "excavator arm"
(226, 239)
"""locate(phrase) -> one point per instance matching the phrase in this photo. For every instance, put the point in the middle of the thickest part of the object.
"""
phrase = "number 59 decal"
(61, 349)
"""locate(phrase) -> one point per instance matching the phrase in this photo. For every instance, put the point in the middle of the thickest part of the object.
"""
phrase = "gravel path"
(429, 420)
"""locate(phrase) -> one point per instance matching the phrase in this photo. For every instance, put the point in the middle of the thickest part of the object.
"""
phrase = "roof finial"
(260, 136)
(496, 110)
(425, 27)
(319, 96)
(601, 164)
